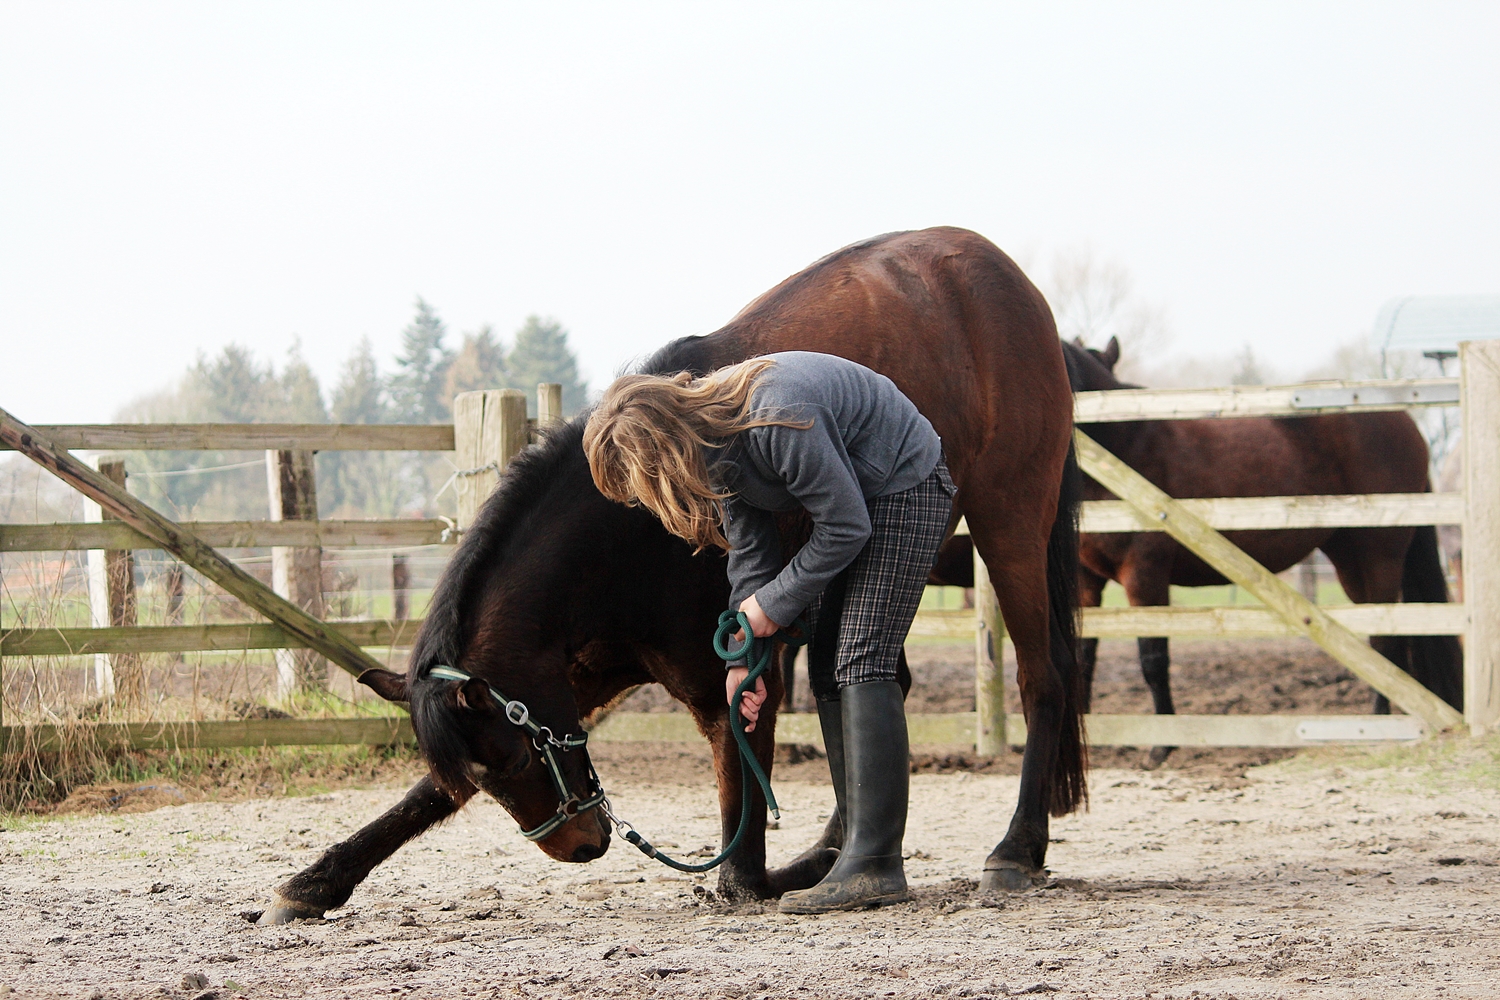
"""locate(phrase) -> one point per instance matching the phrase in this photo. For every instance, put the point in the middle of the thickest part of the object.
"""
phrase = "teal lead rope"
(757, 655)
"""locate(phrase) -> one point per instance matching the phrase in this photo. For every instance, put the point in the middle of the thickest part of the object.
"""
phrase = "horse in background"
(1268, 456)
(1252, 457)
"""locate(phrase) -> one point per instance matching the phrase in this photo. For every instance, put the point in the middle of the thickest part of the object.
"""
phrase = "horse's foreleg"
(330, 881)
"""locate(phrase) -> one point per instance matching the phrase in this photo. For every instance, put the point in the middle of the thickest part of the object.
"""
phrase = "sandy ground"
(1347, 874)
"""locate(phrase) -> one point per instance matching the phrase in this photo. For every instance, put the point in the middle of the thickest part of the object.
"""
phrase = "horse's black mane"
(443, 637)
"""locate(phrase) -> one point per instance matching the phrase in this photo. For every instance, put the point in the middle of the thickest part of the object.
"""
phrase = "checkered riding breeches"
(859, 623)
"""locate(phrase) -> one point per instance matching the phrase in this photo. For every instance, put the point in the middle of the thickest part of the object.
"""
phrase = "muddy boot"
(812, 865)
(877, 774)
(831, 721)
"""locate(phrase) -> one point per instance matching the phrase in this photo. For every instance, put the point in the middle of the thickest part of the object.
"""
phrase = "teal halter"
(569, 804)
(756, 652)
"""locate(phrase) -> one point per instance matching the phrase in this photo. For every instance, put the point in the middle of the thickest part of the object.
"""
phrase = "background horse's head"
(1090, 370)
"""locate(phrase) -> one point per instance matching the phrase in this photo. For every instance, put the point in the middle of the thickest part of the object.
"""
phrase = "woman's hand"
(750, 704)
(762, 626)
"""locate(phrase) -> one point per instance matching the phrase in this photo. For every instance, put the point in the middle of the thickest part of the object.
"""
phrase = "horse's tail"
(1069, 787)
(1436, 661)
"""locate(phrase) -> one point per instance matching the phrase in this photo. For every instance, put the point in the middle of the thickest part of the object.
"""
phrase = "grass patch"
(34, 783)
(1440, 764)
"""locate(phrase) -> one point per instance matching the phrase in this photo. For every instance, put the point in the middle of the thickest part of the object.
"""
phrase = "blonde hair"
(645, 441)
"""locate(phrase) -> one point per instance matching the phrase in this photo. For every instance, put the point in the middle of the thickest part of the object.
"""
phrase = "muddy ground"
(1335, 873)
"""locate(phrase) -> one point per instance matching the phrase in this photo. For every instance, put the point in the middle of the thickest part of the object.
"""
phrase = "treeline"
(234, 386)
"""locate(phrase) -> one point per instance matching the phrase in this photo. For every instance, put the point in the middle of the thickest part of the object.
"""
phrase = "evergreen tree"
(541, 354)
(229, 388)
(359, 398)
(417, 388)
(301, 397)
(479, 364)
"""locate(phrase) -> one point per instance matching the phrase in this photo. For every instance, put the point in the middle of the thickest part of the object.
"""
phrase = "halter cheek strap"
(517, 714)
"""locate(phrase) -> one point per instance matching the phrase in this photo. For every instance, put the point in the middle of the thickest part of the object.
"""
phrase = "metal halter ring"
(510, 709)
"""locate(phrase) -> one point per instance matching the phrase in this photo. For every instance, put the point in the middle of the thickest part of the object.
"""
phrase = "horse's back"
(1290, 456)
(943, 313)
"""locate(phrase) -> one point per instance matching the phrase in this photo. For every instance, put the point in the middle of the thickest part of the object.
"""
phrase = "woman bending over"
(715, 459)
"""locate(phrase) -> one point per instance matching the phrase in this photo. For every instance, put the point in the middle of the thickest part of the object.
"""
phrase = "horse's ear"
(1111, 353)
(1078, 343)
(389, 685)
(474, 695)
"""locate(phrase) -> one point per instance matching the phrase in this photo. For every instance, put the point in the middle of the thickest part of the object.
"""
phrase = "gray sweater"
(867, 440)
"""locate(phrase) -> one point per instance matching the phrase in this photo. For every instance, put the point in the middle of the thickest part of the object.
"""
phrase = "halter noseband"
(517, 714)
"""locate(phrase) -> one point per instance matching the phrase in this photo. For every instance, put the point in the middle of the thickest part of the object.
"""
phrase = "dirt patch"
(1337, 874)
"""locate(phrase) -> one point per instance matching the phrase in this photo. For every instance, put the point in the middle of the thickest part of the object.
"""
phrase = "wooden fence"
(490, 427)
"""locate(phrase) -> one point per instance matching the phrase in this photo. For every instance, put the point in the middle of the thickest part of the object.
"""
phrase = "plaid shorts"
(859, 623)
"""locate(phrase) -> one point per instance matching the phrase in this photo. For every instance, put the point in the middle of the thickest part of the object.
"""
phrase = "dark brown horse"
(1284, 456)
(565, 601)
(1246, 456)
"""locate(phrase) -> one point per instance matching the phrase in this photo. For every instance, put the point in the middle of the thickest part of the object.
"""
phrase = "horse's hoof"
(284, 911)
(1009, 876)
(1158, 756)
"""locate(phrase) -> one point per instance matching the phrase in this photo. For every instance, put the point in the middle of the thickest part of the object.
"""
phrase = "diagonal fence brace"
(186, 546)
(1237, 566)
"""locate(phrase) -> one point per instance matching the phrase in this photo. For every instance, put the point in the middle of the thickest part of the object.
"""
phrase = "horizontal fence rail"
(1370, 510)
(1309, 399)
(945, 729)
(192, 638)
(249, 437)
(1206, 623)
(1110, 623)
(73, 535)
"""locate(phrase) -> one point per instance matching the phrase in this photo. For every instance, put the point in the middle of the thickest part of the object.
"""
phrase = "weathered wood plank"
(189, 735)
(192, 638)
(184, 545)
(1373, 510)
(958, 729)
(64, 536)
(1481, 535)
(247, 437)
(1304, 400)
(1364, 619)
(1211, 622)
(946, 729)
(989, 663)
(1304, 616)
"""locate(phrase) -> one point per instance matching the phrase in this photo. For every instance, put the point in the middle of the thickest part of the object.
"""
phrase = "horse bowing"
(565, 601)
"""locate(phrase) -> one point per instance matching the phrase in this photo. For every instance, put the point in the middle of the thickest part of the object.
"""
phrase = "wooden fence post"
(548, 404)
(119, 570)
(1480, 380)
(489, 429)
(989, 665)
(400, 587)
(98, 579)
(296, 572)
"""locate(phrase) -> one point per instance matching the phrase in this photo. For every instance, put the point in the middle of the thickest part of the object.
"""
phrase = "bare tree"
(1094, 299)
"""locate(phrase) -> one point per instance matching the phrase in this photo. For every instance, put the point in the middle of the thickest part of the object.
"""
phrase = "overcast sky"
(177, 177)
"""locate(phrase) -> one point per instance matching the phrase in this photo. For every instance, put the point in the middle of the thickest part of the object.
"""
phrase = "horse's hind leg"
(1146, 578)
(1090, 594)
(330, 881)
(1013, 544)
(1369, 564)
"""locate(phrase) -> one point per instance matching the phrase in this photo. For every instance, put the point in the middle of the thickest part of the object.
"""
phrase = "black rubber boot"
(876, 779)
(831, 721)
